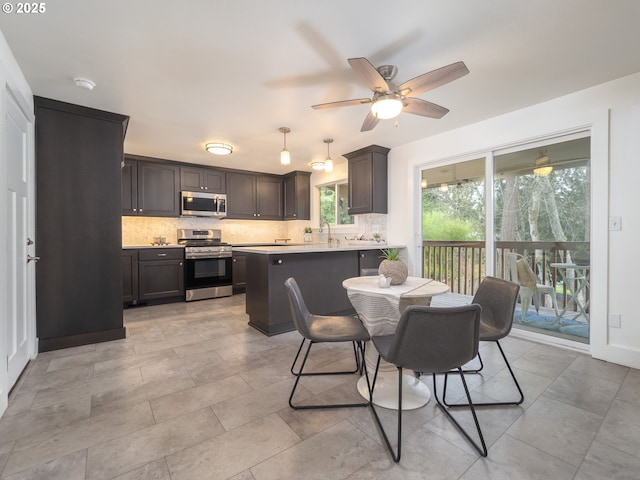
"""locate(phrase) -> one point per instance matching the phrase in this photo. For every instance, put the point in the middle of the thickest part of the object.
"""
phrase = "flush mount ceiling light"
(317, 164)
(84, 83)
(285, 156)
(387, 105)
(219, 148)
(542, 167)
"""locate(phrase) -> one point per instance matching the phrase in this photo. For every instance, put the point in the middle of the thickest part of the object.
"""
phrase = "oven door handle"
(201, 256)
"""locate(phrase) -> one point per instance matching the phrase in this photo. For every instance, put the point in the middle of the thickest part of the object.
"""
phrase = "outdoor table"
(579, 288)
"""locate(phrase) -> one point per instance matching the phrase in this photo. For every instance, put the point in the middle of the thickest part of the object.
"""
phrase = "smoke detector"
(84, 83)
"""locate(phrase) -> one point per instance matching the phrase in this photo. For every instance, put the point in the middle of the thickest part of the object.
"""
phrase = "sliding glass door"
(538, 199)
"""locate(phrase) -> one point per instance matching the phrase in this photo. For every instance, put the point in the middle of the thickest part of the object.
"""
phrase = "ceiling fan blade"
(369, 122)
(421, 107)
(368, 74)
(341, 103)
(435, 78)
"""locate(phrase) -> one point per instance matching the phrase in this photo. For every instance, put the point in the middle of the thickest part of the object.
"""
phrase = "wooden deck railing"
(462, 264)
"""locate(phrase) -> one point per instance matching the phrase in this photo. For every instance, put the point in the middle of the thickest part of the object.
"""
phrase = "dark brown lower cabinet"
(130, 276)
(239, 273)
(319, 276)
(160, 274)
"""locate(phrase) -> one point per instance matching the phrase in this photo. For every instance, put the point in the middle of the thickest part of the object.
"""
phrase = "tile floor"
(195, 393)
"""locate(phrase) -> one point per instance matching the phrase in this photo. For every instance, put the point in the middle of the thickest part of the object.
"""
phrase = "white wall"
(10, 78)
(612, 112)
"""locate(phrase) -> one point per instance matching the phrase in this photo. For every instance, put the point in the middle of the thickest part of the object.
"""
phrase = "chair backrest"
(498, 298)
(519, 271)
(299, 310)
(435, 339)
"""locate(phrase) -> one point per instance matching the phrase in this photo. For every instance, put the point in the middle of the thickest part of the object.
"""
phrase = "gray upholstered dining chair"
(323, 329)
(498, 298)
(431, 340)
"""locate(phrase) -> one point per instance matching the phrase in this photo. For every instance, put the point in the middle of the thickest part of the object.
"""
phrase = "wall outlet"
(615, 320)
(615, 224)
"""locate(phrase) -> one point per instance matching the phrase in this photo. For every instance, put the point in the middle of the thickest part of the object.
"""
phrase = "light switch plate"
(615, 320)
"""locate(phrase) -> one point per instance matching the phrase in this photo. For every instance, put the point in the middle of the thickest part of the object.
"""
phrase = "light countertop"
(125, 247)
(311, 248)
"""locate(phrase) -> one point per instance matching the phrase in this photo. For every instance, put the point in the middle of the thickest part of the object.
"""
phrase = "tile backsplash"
(139, 231)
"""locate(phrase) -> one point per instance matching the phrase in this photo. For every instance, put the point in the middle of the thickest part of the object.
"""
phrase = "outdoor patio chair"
(519, 271)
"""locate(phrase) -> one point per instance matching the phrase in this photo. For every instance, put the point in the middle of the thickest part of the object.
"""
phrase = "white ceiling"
(192, 72)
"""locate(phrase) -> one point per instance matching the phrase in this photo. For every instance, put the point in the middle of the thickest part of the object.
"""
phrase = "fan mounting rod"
(388, 72)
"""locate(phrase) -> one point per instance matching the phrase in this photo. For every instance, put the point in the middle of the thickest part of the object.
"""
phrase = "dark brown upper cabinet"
(297, 196)
(367, 170)
(150, 188)
(209, 180)
(254, 197)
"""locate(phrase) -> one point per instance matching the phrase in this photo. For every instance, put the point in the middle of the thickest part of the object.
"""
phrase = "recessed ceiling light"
(84, 83)
(219, 148)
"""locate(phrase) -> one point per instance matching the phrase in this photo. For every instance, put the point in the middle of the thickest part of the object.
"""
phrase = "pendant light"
(328, 163)
(285, 156)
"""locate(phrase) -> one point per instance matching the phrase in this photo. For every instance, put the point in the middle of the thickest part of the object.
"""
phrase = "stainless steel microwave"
(199, 204)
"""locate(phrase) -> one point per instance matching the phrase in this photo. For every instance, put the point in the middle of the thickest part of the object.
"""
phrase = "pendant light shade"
(285, 156)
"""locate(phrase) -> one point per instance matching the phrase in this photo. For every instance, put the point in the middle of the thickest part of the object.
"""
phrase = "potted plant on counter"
(392, 266)
(308, 234)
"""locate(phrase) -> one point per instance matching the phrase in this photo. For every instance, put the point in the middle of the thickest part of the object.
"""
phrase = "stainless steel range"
(208, 264)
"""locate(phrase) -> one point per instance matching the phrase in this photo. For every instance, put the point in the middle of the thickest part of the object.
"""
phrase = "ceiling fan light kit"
(542, 167)
(389, 100)
(219, 148)
(388, 105)
(285, 156)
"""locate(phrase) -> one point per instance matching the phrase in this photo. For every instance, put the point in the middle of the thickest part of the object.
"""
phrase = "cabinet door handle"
(135, 209)
(162, 254)
(32, 259)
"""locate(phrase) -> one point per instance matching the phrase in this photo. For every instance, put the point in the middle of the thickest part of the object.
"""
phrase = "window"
(334, 204)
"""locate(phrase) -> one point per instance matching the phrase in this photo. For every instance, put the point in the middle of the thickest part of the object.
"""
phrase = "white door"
(19, 274)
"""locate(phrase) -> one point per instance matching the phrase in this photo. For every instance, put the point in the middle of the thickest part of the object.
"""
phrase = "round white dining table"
(380, 309)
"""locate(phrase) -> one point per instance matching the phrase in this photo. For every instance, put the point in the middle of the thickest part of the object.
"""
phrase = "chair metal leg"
(359, 352)
(487, 404)
(481, 450)
(394, 454)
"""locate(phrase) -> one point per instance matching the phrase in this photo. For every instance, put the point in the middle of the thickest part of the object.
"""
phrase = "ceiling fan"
(389, 100)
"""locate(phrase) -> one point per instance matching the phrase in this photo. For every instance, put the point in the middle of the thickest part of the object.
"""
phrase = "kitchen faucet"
(329, 239)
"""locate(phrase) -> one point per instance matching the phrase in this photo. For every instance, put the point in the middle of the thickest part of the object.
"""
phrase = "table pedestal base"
(415, 394)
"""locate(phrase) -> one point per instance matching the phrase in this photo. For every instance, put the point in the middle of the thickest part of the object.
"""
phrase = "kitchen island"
(319, 270)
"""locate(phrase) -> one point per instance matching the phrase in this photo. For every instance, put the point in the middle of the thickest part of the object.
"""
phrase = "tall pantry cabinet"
(79, 152)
